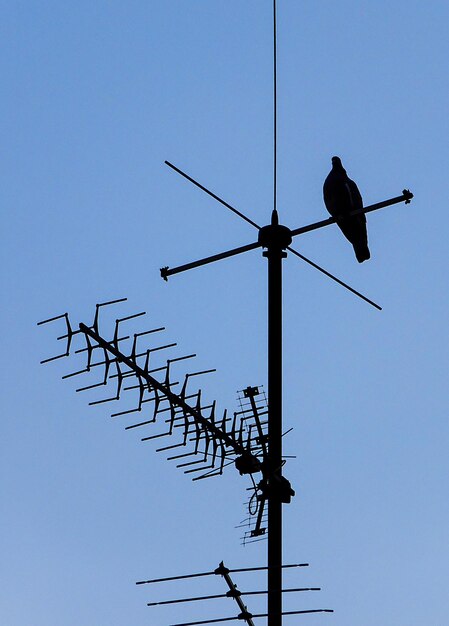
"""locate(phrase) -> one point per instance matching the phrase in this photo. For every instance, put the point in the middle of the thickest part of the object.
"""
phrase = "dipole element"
(275, 238)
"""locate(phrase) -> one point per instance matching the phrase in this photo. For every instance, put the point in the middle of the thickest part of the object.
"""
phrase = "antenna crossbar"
(240, 617)
(227, 595)
(214, 572)
(167, 271)
(406, 197)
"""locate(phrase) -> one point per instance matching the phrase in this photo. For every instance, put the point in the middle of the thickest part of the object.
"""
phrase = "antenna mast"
(217, 442)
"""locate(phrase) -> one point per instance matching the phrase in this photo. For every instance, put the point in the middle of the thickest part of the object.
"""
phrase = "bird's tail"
(362, 251)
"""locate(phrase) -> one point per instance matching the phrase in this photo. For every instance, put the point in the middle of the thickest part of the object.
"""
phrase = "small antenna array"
(233, 592)
(207, 440)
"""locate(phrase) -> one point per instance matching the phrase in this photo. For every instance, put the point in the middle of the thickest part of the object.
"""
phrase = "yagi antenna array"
(233, 592)
(214, 439)
(207, 441)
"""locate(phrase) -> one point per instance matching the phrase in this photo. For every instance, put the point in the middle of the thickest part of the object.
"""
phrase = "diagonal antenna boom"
(337, 280)
(174, 399)
(213, 195)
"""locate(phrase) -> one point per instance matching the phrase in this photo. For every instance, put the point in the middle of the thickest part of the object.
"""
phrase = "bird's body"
(341, 197)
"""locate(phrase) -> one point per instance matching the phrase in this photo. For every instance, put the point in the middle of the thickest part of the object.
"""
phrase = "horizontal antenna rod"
(225, 595)
(238, 617)
(405, 197)
(219, 595)
(166, 271)
(233, 571)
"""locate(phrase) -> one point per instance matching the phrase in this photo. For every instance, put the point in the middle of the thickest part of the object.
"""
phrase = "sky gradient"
(96, 96)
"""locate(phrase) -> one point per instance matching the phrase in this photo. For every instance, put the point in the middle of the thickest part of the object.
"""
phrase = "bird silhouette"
(341, 197)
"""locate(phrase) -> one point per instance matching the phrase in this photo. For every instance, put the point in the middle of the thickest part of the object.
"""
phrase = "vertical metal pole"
(275, 122)
(274, 254)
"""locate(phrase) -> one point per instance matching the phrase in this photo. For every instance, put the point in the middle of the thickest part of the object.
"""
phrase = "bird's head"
(336, 162)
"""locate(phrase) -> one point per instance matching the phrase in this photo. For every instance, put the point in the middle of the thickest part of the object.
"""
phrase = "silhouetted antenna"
(233, 592)
(68, 336)
(185, 411)
(255, 525)
(253, 417)
(201, 574)
(275, 239)
(207, 440)
(262, 242)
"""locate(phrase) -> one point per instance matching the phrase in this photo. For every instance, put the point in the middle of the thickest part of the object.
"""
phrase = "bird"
(341, 197)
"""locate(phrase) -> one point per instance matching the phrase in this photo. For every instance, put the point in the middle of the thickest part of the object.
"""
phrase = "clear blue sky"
(96, 95)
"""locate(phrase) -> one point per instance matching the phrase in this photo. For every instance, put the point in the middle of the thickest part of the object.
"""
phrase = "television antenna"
(215, 440)
(233, 592)
(275, 239)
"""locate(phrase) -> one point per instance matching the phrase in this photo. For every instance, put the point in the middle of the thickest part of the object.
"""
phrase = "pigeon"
(341, 197)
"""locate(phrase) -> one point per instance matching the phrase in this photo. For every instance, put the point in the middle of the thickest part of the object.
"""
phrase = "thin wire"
(210, 193)
(337, 280)
(274, 108)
